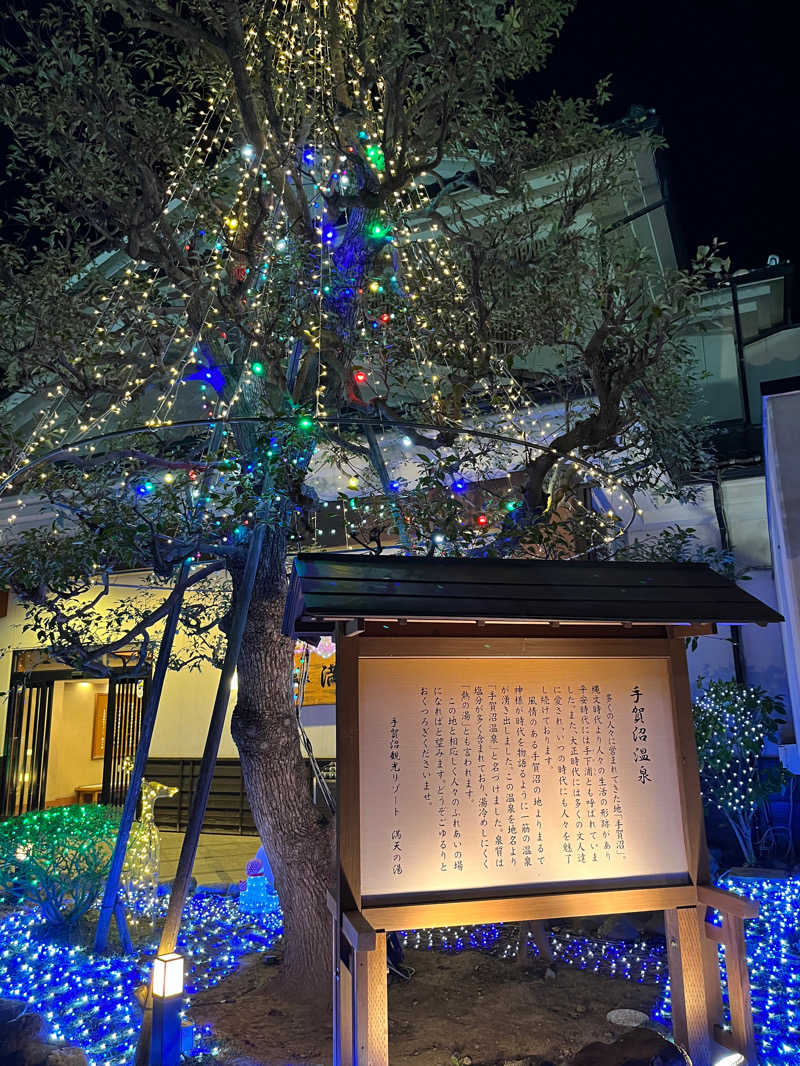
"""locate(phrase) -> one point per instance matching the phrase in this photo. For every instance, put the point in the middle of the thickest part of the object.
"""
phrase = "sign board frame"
(360, 924)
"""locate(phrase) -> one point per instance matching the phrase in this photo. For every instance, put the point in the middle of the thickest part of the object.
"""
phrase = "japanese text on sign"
(516, 771)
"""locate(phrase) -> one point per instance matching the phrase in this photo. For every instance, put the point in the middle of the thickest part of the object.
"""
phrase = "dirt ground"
(465, 1004)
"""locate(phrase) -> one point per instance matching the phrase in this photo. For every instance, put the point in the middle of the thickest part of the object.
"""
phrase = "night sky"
(723, 77)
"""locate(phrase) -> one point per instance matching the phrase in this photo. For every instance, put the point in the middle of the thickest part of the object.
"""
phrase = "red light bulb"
(481, 519)
(359, 377)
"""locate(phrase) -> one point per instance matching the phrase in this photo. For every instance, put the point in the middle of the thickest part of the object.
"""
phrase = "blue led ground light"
(88, 1000)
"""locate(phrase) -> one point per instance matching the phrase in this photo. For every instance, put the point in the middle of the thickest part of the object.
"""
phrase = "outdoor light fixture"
(168, 975)
(165, 1044)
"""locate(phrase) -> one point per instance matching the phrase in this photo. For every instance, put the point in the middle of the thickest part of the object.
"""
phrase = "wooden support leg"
(690, 1021)
(336, 936)
(739, 987)
(711, 972)
(370, 1006)
(346, 1010)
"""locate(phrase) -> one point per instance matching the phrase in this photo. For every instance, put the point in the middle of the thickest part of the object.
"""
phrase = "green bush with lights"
(58, 859)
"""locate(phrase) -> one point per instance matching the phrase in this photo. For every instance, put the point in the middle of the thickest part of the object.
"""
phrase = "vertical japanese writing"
(480, 759)
(455, 787)
(522, 763)
(466, 724)
(494, 778)
(441, 803)
(535, 787)
(547, 774)
(604, 821)
(394, 770)
(425, 726)
(616, 799)
(510, 773)
(640, 756)
(562, 772)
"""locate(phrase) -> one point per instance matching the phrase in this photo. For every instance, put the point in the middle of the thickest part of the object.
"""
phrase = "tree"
(732, 724)
(255, 245)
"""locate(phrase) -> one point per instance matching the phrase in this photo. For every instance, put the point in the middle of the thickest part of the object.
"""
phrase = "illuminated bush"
(732, 723)
(58, 859)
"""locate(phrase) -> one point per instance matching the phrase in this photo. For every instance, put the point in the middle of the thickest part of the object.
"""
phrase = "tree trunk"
(298, 837)
(742, 825)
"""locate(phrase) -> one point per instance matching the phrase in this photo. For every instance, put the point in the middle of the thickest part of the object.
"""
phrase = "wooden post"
(711, 971)
(346, 1010)
(336, 938)
(180, 886)
(690, 1021)
(371, 1007)
(109, 905)
(739, 987)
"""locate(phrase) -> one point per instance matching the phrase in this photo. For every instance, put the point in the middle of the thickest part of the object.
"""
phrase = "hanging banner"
(320, 686)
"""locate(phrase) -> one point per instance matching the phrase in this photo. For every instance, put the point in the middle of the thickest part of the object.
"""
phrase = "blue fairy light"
(87, 1000)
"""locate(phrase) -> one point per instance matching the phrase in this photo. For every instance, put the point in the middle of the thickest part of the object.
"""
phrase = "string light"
(87, 1000)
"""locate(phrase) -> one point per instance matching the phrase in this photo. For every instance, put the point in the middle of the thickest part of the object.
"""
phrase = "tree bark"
(298, 837)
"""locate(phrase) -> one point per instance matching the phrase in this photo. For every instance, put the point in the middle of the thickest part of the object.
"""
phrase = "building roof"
(329, 587)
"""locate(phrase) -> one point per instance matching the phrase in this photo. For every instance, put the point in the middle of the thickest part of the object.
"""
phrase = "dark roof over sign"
(326, 588)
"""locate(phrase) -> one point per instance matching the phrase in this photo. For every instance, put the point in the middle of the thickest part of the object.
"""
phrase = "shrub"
(732, 723)
(58, 859)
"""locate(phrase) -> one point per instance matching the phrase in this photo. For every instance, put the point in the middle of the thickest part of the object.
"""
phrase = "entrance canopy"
(330, 588)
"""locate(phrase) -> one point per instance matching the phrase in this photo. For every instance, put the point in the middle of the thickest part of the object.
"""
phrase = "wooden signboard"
(514, 779)
(496, 767)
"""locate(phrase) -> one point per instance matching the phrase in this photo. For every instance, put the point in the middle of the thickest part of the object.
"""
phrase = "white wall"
(745, 507)
(782, 416)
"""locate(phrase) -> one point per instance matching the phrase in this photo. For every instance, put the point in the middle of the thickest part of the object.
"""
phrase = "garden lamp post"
(165, 1046)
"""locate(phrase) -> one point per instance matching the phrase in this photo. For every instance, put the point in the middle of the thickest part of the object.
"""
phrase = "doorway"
(68, 738)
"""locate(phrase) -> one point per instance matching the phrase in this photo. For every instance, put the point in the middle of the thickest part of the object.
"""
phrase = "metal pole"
(142, 751)
(180, 886)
